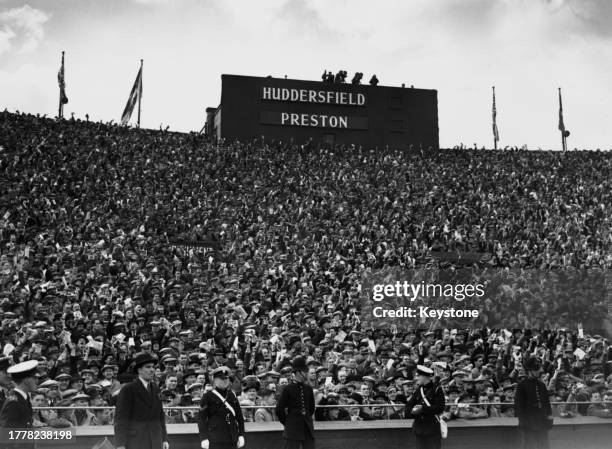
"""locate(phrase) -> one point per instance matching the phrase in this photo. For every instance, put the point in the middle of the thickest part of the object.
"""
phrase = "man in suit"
(296, 407)
(532, 407)
(220, 421)
(16, 412)
(424, 405)
(140, 422)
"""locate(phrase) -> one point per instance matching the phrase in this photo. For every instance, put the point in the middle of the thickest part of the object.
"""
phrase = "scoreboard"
(288, 109)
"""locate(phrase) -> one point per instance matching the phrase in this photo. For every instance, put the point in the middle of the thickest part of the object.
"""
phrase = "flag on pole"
(135, 95)
(564, 132)
(62, 83)
(495, 130)
(561, 124)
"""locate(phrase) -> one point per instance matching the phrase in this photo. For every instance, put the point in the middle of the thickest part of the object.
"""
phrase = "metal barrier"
(255, 407)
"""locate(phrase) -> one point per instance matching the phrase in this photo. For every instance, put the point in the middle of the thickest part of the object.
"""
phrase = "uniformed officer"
(296, 407)
(532, 407)
(5, 380)
(220, 421)
(17, 411)
(427, 401)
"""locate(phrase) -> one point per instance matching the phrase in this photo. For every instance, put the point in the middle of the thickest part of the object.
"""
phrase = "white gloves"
(205, 443)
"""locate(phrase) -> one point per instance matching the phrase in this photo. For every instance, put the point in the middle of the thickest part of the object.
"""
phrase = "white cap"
(23, 369)
(423, 370)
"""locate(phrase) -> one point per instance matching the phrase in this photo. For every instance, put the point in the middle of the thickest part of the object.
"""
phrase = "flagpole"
(140, 96)
(61, 105)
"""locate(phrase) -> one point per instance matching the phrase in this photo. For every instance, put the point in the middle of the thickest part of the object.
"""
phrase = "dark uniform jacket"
(16, 413)
(216, 423)
(2, 396)
(531, 405)
(140, 421)
(426, 423)
(295, 409)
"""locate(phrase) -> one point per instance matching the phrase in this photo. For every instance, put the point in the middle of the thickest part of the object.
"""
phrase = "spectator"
(467, 411)
(267, 414)
(82, 415)
(598, 407)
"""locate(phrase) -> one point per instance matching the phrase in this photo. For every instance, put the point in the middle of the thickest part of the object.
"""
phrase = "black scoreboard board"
(285, 109)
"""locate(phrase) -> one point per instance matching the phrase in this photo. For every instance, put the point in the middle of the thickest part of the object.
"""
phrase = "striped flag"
(135, 96)
(62, 83)
(561, 124)
(495, 130)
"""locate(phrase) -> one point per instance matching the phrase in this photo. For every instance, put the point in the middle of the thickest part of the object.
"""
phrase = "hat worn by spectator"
(23, 370)
(194, 386)
(142, 359)
(189, 372)
(68, 394)
(49, 384)
(76, 397)
(252, 384)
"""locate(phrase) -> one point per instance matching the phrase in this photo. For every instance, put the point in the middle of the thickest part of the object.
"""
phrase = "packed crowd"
(98, 262)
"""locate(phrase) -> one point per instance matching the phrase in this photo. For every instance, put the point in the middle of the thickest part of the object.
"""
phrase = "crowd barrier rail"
(255, 407)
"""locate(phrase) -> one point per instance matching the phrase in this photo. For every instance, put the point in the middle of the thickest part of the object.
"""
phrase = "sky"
(461, 48)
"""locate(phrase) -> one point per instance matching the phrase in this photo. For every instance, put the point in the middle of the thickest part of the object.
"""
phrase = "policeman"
(220, 421)
(296, 407)
(532, 407)
(5, 380)
(17, 412)
(424, 405)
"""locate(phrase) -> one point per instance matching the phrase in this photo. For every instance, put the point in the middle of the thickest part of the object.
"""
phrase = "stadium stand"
(116, 240)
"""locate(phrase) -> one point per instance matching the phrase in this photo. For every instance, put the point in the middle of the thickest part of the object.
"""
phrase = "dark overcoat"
(140, 421)
(532, 405)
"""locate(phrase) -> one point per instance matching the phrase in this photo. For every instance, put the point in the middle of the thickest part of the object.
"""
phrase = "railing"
(255, 407)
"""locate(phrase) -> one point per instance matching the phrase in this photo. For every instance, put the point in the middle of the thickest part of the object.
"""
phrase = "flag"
(62, 83)
(495, 130)
(135, 95)
(561, 124)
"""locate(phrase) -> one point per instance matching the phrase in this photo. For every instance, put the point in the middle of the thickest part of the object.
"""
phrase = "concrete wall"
(501, 433)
